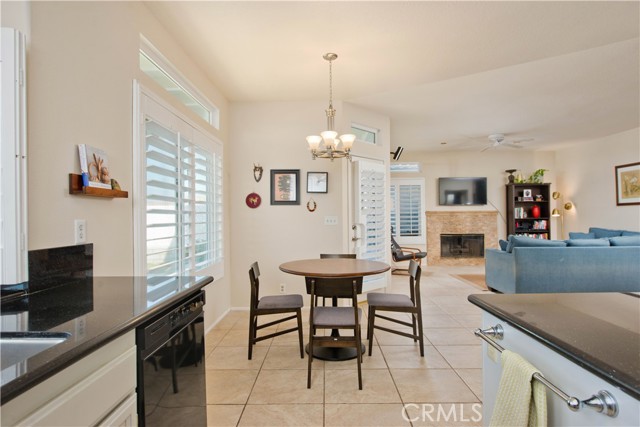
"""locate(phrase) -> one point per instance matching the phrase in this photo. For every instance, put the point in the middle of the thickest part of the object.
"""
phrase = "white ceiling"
(455, 72)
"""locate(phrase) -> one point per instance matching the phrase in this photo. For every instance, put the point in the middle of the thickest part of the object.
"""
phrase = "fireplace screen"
(462, 245)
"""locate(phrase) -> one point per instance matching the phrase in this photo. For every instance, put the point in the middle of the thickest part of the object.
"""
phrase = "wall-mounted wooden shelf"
(76, 187)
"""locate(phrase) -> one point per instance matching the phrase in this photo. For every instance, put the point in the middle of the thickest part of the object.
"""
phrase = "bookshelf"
(523, 200)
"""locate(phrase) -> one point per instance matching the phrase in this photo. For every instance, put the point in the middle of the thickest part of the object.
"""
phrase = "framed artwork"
(285, 186)
(317, 182)
(526, 195)
(628, 184)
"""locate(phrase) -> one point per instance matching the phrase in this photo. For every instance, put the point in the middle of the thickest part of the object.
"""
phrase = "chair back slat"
(254, 274)
(339, 287)
(328, 256)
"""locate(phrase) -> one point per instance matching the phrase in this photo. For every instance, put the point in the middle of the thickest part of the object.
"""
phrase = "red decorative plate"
(253, 200)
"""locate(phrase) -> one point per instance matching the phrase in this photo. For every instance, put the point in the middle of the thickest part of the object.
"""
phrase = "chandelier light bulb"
(314, 141)
(347, 141)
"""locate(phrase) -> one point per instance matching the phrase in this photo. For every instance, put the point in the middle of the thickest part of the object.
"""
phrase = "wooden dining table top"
(334, 267)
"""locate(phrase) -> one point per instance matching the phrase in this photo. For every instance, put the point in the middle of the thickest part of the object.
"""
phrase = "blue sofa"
(556, 267)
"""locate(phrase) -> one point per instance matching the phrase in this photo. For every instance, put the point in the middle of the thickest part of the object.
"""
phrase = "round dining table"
(334, 268)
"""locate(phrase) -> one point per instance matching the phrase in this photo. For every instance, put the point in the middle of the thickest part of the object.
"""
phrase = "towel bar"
(603, 401)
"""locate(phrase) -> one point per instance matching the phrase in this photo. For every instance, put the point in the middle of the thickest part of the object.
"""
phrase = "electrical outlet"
(282, 288)
(80, 227)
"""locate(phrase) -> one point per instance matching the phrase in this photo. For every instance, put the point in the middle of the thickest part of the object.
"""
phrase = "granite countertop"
(598, 331)
(93, 311)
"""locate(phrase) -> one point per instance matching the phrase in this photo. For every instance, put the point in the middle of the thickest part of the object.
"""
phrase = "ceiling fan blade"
(506, 144)
(488, 147)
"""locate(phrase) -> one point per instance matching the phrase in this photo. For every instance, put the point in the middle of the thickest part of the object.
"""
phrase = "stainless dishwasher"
(171, 372)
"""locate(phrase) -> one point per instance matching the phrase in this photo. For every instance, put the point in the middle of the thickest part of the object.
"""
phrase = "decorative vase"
(535, 211)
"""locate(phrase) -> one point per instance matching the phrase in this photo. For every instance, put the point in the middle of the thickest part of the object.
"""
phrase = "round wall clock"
(253, 200)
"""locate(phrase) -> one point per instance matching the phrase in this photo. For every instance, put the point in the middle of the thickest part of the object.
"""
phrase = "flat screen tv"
(462, 191)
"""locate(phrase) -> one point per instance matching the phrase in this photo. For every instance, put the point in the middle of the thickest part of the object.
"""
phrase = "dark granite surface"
(93, 310)
(599, 332)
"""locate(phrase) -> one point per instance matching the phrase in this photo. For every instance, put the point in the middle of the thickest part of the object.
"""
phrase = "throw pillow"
(587, 242)
(625, 241)
(631, 233)
(529, 242)
(604, 232)
(574, 235)
(503, 244)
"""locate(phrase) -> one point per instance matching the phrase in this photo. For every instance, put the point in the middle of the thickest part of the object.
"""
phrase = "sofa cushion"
(630, 233)
(604, 232)
(574, 235)
(529, 242)
(503, 244)
(587, 242)
(625, 241)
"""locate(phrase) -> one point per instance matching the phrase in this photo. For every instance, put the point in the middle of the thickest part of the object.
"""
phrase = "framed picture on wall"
(285, 186)
(317, 182)
(628, 184)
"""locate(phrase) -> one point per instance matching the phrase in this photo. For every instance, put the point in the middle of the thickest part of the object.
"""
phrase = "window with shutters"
(179, 222)
(407, 210)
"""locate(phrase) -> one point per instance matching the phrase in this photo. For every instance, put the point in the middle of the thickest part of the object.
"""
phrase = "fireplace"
(460, 222)
(462, 245)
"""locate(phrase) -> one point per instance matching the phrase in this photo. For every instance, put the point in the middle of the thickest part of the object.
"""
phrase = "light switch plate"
(330, 220)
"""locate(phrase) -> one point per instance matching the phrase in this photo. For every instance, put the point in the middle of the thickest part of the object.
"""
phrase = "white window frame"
(165, 65)
(374, 131)
(195, 135)
(406, 240)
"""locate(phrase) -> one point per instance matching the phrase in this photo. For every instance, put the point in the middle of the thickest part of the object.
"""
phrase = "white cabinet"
(565, 374)
(13, 159)
(97, 390)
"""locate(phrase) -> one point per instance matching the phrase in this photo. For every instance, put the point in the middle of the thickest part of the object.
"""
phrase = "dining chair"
(266, 305)
(335, 318)
(398, 303)
(403, 253)
(334, 256)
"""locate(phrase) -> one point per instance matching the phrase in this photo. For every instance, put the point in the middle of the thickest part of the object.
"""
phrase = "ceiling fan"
(498, 140)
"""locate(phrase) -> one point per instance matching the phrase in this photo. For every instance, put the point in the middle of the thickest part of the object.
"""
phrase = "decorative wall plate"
(253, 200)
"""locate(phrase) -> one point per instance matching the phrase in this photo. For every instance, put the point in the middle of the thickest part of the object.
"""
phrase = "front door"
(368, 214)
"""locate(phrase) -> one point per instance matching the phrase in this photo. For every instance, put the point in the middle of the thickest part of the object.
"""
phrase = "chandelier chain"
(330, 85)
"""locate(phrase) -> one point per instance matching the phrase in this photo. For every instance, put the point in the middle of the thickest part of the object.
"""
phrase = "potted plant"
(537, 176)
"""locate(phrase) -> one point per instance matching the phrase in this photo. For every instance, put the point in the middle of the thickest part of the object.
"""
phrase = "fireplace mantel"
(459, 222)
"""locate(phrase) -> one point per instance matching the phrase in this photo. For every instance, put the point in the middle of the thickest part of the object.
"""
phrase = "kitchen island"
(582, 343)
(93, 313)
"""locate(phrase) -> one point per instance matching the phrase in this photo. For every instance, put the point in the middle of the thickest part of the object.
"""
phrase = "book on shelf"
(535, 235)
(94, 166)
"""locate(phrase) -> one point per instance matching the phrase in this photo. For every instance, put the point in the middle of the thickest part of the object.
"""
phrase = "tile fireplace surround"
(459, 222)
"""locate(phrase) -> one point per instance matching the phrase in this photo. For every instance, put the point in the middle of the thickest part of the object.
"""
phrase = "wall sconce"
(560, 213)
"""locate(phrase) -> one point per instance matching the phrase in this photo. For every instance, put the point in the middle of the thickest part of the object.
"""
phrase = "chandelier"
(328, 145)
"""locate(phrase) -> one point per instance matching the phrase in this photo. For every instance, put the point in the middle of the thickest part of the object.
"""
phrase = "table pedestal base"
(335, 354)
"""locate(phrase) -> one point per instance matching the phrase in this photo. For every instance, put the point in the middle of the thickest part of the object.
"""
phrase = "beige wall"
(82, 58)
(586, 178)
(272, 134)
(490, 164)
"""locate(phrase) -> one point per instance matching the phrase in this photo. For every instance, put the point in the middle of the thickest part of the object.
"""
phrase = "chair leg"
(370, 325)
(252, 333)
(310, 356)
(419, 314)
(413, 325)
(299, 314)
(359, 353)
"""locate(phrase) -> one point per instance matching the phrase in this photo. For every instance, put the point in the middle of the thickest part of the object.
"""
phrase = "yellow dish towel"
(521, 400)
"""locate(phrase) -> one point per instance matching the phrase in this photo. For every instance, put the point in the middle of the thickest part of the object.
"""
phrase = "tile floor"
(399, 387)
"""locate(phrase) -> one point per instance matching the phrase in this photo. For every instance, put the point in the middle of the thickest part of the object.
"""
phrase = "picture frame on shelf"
(285, 186)
(317, 182)
(527, 195)
(628, 184)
